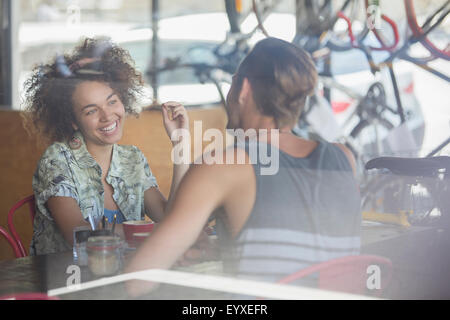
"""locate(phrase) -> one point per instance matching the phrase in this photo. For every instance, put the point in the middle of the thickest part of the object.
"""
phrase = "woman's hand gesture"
(174, 117)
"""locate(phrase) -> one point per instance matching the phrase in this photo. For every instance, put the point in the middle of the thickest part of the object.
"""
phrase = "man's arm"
(156, 205)
(203, 189)
(198, 195)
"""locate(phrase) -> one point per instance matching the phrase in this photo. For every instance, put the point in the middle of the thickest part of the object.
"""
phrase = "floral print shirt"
(73, 172)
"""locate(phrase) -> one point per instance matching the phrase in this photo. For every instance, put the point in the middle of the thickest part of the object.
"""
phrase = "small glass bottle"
(104, 255)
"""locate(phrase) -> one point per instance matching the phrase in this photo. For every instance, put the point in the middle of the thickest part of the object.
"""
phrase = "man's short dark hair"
(281, 75)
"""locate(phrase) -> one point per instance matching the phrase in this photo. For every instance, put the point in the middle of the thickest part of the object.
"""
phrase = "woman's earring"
(75, 143)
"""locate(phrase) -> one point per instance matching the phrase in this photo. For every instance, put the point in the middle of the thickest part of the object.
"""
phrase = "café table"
(44, 273)
(202, 281)
(419, 256)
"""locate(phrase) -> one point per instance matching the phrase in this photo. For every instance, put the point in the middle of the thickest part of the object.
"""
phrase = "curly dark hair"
(49, 90)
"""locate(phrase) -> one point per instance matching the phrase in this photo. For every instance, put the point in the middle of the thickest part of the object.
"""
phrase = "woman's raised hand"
(174, 117)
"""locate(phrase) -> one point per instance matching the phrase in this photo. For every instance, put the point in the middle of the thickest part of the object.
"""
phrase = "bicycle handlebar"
(354, 42)
(394, 28)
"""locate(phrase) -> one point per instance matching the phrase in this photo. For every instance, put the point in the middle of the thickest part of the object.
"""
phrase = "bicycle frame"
(420, 33)
(366, 111)
(401, 53)
(438, 148)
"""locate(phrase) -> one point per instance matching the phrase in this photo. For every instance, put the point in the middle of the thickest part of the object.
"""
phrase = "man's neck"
(258, 123)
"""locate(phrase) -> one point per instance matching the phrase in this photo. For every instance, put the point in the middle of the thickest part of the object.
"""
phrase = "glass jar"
(104, 255)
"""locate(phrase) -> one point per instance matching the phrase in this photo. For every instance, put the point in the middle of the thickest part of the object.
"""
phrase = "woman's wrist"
(178, 138)
(175, 143)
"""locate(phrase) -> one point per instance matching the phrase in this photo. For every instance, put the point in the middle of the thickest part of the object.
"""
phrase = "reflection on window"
(50, 27)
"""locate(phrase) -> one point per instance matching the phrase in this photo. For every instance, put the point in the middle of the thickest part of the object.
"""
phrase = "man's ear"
(246, 91)
(74, 126)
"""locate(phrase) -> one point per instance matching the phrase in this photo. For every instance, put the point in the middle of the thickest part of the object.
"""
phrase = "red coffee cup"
(140, 237)
(140, 226)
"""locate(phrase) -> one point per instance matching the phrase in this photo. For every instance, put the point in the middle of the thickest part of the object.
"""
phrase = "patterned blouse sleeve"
(52, 179)
(149, 180)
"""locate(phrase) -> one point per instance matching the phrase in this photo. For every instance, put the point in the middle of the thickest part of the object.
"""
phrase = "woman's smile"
(111, 129)
(99, 113)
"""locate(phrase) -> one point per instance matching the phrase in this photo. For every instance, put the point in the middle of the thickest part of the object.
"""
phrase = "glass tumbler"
(104, 255)
(80, 237)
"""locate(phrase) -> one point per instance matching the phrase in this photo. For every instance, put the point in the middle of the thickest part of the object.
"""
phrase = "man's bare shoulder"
(229, 161)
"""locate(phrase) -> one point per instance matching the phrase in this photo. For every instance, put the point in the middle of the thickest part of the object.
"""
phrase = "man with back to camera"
(269, 225)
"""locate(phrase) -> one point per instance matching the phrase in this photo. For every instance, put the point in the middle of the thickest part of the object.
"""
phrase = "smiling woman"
(99, 113)
(79, 101)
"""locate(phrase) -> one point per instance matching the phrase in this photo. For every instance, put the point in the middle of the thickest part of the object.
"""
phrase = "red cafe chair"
(348, 274)
(32, 210)
(11, 242)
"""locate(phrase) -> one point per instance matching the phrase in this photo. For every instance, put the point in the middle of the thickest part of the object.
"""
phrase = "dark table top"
(420, 256)
(53, 271)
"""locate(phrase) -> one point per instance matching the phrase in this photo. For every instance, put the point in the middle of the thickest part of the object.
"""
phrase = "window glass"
(50, 27)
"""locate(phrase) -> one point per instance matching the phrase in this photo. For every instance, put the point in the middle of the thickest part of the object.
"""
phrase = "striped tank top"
(307, 213)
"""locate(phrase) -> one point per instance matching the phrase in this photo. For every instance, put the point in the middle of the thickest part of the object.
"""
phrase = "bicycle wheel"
(426, 20)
